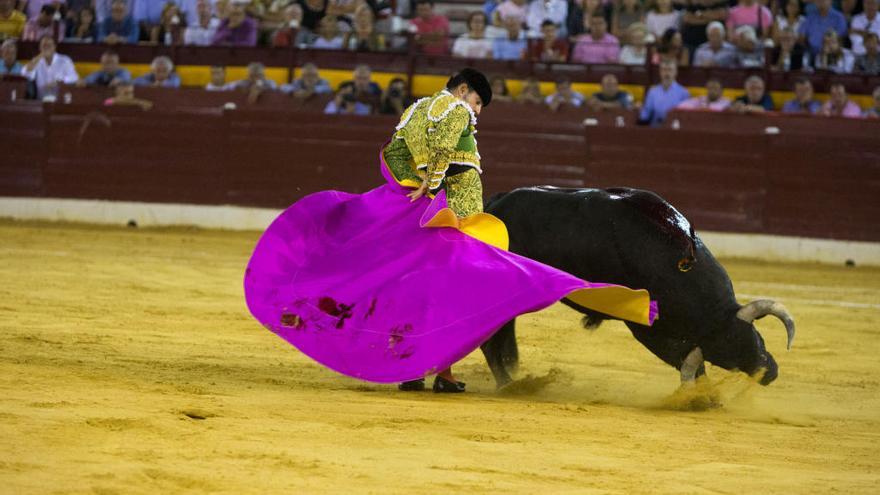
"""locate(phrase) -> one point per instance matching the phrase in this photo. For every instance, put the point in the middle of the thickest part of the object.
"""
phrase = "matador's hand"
(418, 193)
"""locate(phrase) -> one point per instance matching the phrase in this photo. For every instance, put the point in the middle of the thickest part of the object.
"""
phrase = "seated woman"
(833, 56)
(474, 43)
(671, 48)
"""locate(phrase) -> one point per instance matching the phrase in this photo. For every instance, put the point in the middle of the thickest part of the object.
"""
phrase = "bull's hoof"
(699, 395)
(531, 384)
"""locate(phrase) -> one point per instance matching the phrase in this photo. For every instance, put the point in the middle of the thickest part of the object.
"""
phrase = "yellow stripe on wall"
(423, 84)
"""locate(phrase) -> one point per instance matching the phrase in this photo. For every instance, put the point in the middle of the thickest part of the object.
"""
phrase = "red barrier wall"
(822, 184)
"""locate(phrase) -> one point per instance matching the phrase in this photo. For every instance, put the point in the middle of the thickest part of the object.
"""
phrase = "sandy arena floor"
(129, 364)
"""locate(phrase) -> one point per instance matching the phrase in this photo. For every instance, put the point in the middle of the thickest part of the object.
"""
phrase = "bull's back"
(623, 236)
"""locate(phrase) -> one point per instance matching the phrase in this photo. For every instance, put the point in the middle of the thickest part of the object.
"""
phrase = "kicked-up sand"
(129, 364)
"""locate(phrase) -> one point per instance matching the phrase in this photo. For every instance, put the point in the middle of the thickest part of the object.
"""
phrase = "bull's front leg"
(501, 353)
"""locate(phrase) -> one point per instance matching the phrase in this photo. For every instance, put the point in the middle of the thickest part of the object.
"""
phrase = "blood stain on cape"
(331, 307)
(291, 320)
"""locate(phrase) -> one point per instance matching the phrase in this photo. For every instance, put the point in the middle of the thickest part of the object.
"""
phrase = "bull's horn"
(690, 365)
(763, 307)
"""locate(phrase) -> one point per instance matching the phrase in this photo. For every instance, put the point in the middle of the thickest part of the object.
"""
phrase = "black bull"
(635, 238)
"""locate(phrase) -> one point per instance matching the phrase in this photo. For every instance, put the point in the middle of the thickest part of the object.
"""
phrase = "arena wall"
(807, 191)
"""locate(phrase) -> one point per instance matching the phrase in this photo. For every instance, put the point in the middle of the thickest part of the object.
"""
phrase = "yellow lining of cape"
(482, 226)
(620, 302)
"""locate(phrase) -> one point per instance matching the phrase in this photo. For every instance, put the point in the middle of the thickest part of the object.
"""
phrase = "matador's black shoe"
(444, 386)
(412, 385)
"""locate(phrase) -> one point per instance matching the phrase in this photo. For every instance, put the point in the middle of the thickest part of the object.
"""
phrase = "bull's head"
(740, 346)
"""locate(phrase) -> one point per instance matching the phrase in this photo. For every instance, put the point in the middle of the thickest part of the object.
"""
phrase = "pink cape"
(357, 283)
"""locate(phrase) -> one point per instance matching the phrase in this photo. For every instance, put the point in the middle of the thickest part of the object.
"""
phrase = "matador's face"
(470, 97)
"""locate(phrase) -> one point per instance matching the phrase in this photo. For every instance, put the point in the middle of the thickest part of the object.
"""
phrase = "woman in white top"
(635, 52)
(662, 17)
(834, 57)
(474, 43)
(330, 38)
(792, 19)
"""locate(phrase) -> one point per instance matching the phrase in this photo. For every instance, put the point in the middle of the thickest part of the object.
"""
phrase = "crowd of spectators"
(838, 36)
(789, 35)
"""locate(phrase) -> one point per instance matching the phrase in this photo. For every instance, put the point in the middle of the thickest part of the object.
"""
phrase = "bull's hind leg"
(502, 354)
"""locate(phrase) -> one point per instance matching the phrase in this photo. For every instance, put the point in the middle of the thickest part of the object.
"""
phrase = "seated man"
(611, 97)
(564, 96)
(817, 22)
(161, 74)
(511, 47)
(839, 105)
(597, 47)
(663, 97)
(8, 59)
(310, 83)
(201, 32)
(869, 63)
(218, 79)
(803, 101)
(12, 21)
(49, 68)
(237, 29)
(256, 78)
(716, 52)
(291, 32)
(749, 52)
(110, 73)
(256, 82)
(432, 30)
(396, 99)
(124, 96)
(366, 91)
(346, 103)
(549, 47)
(713, 100)
(755, 100)
(119, 27)
(44, 24)
(530, 92)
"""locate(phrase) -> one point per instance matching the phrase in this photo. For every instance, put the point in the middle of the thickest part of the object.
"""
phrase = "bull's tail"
(592, 319)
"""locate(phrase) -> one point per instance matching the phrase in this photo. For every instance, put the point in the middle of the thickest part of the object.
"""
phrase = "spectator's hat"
(478, 82)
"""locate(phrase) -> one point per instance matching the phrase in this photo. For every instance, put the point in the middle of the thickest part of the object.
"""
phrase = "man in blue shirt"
(663, 97)
(803, 101)
(110, 73)
(514, 46)
(819, 21)
(346, 102)
(8, 63)
(119, 27)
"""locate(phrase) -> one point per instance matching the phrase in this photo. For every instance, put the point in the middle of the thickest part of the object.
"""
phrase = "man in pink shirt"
(746, 14)
(432, 30)
(713, 100)
(598, 47)
(839, 105)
